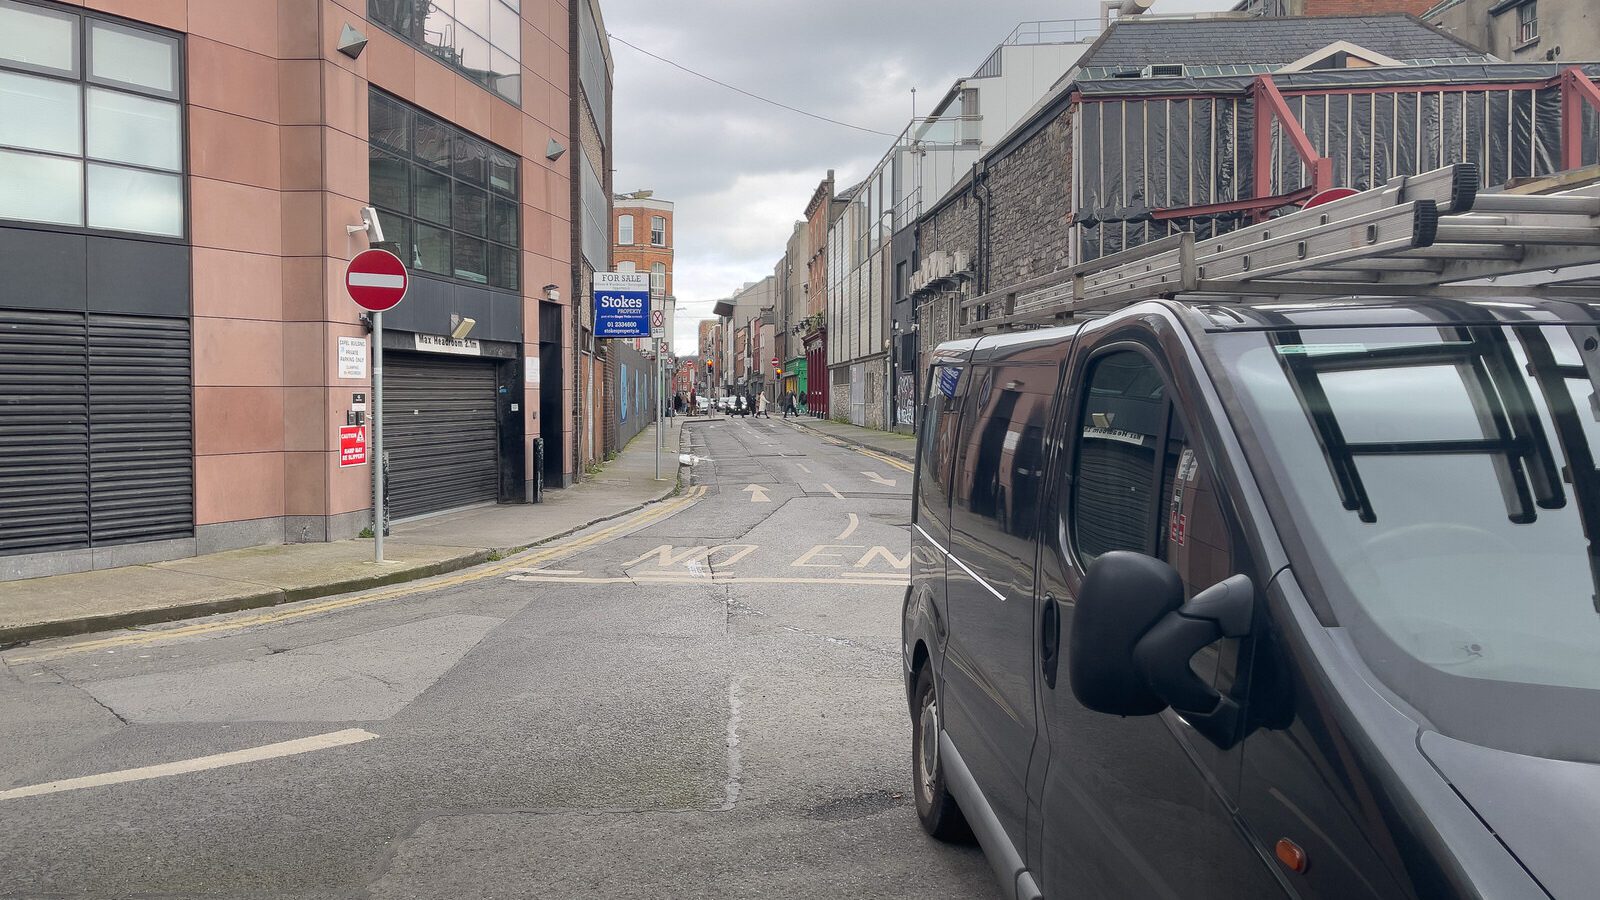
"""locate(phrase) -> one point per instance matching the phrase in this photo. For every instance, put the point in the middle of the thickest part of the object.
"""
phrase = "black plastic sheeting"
(1143, 152)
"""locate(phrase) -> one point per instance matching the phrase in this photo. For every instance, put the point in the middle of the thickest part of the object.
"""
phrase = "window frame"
(1081, 386)
(625, 236)
(1528, 23)
(375, 14)
(653, 221)
(455, 182)
(84, 23)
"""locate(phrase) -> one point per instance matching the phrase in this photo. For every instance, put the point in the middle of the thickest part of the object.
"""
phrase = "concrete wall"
(1569, 30)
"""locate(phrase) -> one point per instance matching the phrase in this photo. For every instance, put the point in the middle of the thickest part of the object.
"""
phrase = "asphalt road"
(702, 700)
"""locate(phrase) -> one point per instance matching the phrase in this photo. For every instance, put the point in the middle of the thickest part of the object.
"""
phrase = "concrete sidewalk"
(263, 576)
(899, 446)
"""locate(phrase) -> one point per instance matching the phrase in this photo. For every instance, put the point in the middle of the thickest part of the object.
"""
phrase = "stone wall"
(1028, 188)
(1030, 232)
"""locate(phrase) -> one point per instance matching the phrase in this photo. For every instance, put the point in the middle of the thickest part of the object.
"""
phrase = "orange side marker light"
(1290, 854)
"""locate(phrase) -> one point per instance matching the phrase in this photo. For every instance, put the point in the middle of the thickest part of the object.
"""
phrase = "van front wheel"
(936, 809)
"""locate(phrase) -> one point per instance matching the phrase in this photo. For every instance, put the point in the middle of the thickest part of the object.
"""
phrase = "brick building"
(177, 352)
(641, 241)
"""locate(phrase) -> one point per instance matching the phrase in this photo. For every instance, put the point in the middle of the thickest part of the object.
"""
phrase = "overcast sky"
(741, 171)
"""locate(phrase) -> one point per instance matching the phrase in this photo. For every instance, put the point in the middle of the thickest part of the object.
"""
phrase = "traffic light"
(709, 365)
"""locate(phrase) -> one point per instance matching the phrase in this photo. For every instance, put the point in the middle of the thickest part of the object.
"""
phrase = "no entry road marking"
(198, 764)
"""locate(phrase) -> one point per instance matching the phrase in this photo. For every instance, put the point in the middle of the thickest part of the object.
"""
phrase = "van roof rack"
(1431, 234)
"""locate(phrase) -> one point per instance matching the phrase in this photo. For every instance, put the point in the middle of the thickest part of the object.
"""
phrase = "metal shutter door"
(44, 432)
(141, 475)
(439, 432)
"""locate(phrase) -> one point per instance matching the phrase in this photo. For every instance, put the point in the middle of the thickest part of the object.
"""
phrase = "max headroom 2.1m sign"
(621, 304)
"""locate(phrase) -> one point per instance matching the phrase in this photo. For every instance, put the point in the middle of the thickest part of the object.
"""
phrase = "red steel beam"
(1249, 204)
(1271, 106)
(1576, 90)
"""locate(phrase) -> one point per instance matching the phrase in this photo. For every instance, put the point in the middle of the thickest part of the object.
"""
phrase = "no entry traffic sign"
(376, 280)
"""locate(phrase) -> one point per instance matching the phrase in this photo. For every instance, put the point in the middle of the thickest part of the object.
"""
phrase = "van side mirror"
(1123, 596)
(1133, 637)
(1162, 656)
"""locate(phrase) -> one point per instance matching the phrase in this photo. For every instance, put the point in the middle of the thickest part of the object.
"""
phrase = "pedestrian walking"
(788, 406)
(761, 405)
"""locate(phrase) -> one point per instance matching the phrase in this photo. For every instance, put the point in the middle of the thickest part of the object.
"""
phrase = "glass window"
(133, 129)
(479, 38)
(936, 443)
(1527, 22)
(471, 211)
(31, 37)
(436, 182)
(503, 222)
(473, 52)
(1114, 483)
(503, 267)
(505, 76)
(390, 180)
(658, 279)
(39, 113)
(1448, 523)
(433, 196)
(625, 229)
(131, 57)
(503, 172)
(474, 14)
(658, 230)
(389, 124)
(134, 200)
(431, 249)
(505, 29)
(471, 161)
(50, 123)
(471, 259)
(41, 188)
(433, 142)
(627, 268)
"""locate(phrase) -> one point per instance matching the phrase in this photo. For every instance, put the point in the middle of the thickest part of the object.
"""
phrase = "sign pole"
(659, 419)
(377, 437)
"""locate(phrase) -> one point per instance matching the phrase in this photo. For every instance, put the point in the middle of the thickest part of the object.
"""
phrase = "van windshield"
(1442, 487)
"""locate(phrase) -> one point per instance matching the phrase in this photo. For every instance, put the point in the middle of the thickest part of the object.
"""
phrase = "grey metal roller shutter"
(439, 432)
(44, 432)
(141, 446)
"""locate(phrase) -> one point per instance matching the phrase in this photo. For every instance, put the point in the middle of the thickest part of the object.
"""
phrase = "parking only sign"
(622, 304)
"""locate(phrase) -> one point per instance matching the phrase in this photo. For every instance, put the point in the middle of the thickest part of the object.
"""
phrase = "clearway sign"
(622, 304)
(376, 280)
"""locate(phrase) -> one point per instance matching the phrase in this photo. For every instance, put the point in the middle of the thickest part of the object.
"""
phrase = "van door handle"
(1049, 639)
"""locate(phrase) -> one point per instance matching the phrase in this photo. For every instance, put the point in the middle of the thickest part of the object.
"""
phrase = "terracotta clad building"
(178, 183)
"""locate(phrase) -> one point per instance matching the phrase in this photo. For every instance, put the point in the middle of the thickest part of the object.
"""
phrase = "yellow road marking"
(885, 459)
(529, 559)
(853, 578)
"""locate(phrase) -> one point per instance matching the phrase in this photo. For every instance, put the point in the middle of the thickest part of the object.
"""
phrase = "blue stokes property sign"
(621, 304)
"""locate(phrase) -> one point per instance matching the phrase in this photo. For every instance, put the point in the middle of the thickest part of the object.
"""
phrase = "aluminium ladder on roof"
(1415, 234)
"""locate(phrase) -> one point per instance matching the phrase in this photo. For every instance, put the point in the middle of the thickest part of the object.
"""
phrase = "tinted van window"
(941, 417)
(1114, 480)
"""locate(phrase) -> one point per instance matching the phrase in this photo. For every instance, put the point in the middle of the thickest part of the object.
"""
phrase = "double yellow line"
(886, 459)
(644, 517)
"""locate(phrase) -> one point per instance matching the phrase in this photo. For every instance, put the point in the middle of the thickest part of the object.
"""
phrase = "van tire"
(936, 809)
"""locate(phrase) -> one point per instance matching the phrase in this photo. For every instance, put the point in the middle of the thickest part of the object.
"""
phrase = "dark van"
(1287, 599)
